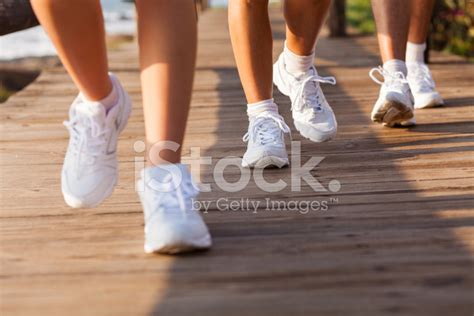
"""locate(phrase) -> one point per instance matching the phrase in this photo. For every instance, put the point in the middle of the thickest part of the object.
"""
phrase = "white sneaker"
(266, 142)
(172, 225)
(90, 172)
(408, 123)
(422, 86)
(312, 115)
(394, 105)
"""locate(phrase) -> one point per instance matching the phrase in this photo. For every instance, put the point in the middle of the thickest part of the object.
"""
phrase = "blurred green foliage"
(452, 27)
(4, 94)
(359, 16)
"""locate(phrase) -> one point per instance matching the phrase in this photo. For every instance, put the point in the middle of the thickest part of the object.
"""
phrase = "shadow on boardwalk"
(397, 238)
(393, 242)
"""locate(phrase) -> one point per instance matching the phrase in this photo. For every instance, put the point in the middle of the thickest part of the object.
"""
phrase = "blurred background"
(452, 26)
(24, 53)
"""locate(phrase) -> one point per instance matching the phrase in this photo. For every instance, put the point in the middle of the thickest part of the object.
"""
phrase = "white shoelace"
(165, 194)
(421, 77)
(264, 131)
(88, 139)
(310, 95)
(395, 80)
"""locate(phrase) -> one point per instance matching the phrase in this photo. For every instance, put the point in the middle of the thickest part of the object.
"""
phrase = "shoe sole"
(408, 123)
(392, 113)
(432, 104)
(201, 244)
(73, 202)
(267, 162)
(320, 138)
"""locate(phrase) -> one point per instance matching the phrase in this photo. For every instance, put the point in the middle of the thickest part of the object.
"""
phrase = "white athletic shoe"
(89, 171)
(266, 142)
(394, 105)
(312, 115)
(172, 225)
(408, 123)
(422, 86)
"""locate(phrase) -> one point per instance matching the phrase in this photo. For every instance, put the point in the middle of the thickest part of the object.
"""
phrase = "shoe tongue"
(311, 86)
(269, 124)
(265, 122)
(311, 72)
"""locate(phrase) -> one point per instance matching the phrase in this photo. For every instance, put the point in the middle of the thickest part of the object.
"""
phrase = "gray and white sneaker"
(172, 225)
(394, 105)
(90, 169)
(266, 142)
(313, 116)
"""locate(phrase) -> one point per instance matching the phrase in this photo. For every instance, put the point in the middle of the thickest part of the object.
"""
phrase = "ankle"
(395, 65)
(157, 162)
(297, 65)
(415, 53)
(159, 172)
(254, 109)
(110, 100)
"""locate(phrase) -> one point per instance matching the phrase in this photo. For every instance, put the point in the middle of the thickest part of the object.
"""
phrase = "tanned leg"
(168, 40)
(251, 37)
(392, 18)
(304, 19)
(421, 11)
(76, 27)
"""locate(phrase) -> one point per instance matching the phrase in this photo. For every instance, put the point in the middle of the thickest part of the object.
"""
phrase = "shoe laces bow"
(264, 128)
(307, 92)
(392, 79)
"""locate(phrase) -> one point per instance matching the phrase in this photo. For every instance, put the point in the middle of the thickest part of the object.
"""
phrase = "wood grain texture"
(397, 239)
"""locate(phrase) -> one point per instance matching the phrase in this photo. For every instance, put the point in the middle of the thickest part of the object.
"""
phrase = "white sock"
(395, 65)
(254, 109)
(415, 53)
(295, 64)
(109, 101)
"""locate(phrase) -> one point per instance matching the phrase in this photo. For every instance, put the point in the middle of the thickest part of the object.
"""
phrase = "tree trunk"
(337, 18)
(202, 5)
(16, 15)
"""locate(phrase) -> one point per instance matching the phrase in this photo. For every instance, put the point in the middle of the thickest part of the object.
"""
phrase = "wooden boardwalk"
(397, 238)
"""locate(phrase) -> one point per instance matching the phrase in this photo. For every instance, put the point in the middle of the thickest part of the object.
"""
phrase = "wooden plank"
(397, 238)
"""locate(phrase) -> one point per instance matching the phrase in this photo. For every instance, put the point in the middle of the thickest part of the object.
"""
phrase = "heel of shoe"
(393, 113)
(126, 112)
(278, 82)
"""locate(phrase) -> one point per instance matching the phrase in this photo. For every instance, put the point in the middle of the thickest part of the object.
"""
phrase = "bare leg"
(421, 11)
(251, 36)
(76, 28)
(392, 18)
(168, 41)
(303, 23)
